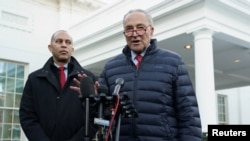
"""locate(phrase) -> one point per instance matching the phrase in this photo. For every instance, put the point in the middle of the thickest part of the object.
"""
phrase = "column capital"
(203, 30)
(203, 33)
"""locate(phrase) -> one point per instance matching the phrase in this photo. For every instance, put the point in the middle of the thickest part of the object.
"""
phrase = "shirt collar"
(65, 66)
(133, 54)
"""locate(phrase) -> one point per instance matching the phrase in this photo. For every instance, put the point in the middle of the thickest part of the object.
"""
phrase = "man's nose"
(134, 33)
(64, 43)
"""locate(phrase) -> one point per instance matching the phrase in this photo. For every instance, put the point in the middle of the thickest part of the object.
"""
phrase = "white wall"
(238, 104)
(26, 27)
(27, 41)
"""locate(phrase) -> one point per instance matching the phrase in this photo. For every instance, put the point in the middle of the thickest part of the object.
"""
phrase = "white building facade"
(26, 27)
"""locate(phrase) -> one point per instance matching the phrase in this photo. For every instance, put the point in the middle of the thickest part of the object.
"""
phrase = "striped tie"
(138, 58)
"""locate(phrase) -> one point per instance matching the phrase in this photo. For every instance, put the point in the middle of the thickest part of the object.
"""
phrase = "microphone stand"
(119, 83)
(118, 126)
(126, 110)
(102, 123)
(117, 114)
(86, 88)
(100, 132)
(101, 99)
(100, 135)
(86, 137)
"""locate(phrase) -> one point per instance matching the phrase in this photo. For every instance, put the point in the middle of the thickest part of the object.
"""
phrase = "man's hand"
(127, 107)
(77, 82)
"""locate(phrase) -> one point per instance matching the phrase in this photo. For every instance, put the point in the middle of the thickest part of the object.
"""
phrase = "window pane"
(17, 100)
(2, 84)
(16, 116)
(6, 131)
(8, 114)
(20, 72)
(10, 85)
(3, 69)
(222, 113)
(1, 130)
(9, 101)
(2, 99)
(11, 70)
(19, 86)
(1, 116)
(16, 132)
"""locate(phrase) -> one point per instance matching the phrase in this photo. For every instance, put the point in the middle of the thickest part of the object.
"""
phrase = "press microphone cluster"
(105, 102)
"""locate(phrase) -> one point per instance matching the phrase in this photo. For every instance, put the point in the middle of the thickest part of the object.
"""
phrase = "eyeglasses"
(140, 30)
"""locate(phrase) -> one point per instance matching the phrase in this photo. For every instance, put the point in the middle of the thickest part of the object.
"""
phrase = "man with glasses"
(157, 83)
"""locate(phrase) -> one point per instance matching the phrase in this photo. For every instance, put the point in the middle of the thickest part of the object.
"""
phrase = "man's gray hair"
(150, 20)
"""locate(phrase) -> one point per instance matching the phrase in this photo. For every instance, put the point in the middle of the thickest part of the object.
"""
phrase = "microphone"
(102, 92)
(119, 83)
(87, 89)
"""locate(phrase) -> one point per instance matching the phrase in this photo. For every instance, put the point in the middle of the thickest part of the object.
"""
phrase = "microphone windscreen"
(119, 81)
(87, 87)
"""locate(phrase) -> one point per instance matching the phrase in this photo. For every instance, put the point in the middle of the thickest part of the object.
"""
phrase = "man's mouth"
(135, 42)
(63, 52)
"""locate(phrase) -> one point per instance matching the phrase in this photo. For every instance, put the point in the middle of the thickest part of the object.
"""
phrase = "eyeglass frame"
(136, 30)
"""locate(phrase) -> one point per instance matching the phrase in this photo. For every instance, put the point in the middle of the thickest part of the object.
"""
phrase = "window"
(11, 87)
(222, 109)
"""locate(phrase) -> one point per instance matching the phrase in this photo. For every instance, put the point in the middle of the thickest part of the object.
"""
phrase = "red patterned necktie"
(62, 76)
(138, 58)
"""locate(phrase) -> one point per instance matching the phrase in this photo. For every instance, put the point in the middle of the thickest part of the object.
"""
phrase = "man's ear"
(152, 31)
(50, 48)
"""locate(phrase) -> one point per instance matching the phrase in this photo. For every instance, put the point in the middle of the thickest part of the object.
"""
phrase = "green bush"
(204, 136)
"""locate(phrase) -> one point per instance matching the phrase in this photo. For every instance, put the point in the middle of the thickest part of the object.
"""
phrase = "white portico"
(176, 23)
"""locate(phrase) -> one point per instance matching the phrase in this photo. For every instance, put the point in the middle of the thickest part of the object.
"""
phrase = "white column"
(204, 77)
